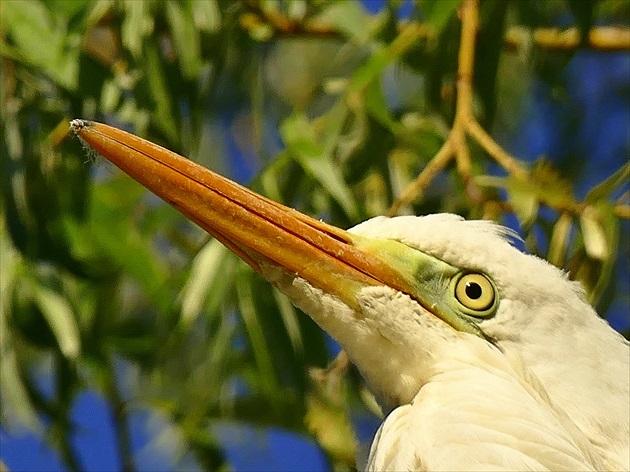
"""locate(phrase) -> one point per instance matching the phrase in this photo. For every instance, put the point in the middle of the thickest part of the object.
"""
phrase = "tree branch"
(601, 38)
(464, 124)
(509, 163)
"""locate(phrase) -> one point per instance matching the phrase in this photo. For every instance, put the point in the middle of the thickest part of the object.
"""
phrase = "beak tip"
(77, 125)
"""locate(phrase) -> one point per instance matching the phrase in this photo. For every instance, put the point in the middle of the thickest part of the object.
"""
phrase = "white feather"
(553, 393)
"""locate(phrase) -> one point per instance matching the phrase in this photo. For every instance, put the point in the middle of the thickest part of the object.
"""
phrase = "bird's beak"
(257, 229)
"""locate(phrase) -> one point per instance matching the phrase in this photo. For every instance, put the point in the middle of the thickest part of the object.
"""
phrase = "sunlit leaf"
(207, 270)
(544, 185)
(137, 23)
(17, 408)
(206, 15)
(110, 96)
(600, 233)
(594, 234)
(560, 240)
(327, 416)
(289, 316)
(16, 405)
(349, 17)
(524, 203)
(332, 428)
(60, 317)
(549, 185)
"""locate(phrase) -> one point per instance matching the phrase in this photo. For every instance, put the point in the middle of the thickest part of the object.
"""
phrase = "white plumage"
(550, 393)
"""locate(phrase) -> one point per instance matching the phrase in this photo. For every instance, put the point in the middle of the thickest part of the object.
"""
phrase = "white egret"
(485, 358)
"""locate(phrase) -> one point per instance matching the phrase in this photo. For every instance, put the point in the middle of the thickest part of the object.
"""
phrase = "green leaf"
(331, 425)
(605, 188)
(60, 318)
(206, 274)
(350, 18)
(595, 240)
(113, 229)
(135, 26)
(544, 185)
(219, 354)
(438, 12)
(271, 177)
(524, 202)
(600, 232)
(289, 316)
(206, 15)
(522, 194)
(301, 141)
(331, 126)
(41, 42)
(16, 405)
(559, 240)
(110, 96)
(376, 105)
(67, 9)
(373, 67)
(185, 38)
(549, 185)
(267, 376)
(164, 115)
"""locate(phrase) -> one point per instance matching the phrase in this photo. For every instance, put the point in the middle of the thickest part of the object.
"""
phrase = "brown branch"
(455, 145)
(602, 38)
(469, 12)
(465, 123)
(283, 24)
(509, 163)
(430, 171)
(622, 211)
(572, 208)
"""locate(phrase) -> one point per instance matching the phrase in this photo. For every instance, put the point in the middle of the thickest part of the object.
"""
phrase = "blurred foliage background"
(331, 107)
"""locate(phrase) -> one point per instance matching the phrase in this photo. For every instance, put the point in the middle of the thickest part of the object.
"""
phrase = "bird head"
(402, 294)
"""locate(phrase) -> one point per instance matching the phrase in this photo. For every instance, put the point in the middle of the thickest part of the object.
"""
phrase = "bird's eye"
(476, 293)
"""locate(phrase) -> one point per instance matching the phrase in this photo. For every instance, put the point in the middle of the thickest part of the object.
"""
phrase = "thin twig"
(465, 70)
(506, 161)
(601, 38)
(571, 207)
(622, 211)
(430, 171)
(455, 145)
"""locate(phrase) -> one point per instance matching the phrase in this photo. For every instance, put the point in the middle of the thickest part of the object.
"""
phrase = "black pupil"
(473, 290)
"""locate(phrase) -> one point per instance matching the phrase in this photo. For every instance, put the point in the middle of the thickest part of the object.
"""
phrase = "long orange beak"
(257, 229)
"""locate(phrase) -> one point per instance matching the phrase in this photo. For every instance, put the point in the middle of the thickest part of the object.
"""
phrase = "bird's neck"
(475, 390)
(586, 373)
